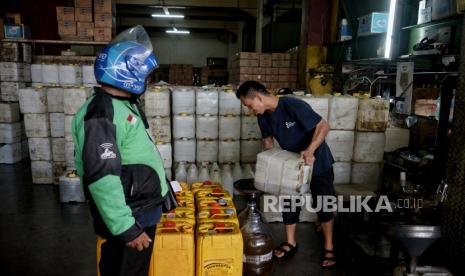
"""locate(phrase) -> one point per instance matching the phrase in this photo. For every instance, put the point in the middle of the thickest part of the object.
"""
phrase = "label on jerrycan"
(220, 267)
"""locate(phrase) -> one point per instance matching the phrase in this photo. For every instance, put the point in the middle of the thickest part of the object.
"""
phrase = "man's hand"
(308, 157)
(268, 143)
(140, 243)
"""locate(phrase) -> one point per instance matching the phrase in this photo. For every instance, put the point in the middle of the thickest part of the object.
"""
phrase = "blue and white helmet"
(127, 61)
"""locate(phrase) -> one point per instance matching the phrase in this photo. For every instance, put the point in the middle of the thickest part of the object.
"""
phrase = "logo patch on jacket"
(132, 119)
(107, 153)
(290, 124)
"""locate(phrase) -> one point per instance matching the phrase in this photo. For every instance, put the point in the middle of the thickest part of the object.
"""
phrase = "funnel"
(415, 239)
(247, 187)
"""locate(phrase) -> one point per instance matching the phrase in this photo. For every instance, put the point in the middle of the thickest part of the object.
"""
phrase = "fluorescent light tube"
(390, 29)
(167, 15)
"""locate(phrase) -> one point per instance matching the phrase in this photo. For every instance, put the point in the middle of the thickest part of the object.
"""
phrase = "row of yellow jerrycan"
(207, 242)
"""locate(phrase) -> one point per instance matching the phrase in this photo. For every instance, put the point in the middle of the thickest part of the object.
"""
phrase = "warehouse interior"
(387, 76)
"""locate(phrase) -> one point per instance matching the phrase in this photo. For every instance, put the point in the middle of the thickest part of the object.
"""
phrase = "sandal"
(287, 252)
(330, 259)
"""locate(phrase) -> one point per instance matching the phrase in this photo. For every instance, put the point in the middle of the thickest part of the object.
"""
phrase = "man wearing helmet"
(116, 159)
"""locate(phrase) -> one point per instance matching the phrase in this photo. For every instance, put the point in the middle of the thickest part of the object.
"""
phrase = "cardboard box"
(424, 11)
(85, 29)
(281, 63)
(293, 70)
(443, 8)
(102, 34)
(280, 56)
(373, 23)
(83, 14)
(284, 71)
(83, 3)
(65, 14)
(246, 70)
(102, 6)
(103, 20)
(283, 78)
(294, 63)
(246, 55)
(292, 78)
(265, 60)
(248, 62)
(271, 78)
(15, 17)
(272, 71)
(259, 71)
(67, 27)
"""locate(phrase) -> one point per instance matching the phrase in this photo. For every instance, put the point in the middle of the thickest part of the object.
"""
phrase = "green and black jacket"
(119, 165)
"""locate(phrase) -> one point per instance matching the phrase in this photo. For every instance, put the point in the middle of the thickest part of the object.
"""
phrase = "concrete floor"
(40, 236)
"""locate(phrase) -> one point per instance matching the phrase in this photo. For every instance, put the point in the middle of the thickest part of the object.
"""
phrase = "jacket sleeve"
(102, 170)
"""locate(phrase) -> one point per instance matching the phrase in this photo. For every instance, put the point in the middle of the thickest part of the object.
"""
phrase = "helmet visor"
(135, 34)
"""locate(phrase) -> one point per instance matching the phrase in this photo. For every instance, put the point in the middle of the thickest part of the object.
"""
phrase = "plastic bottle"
(215, 173)
(181, 173)
(204, 174)
(237, 174)
(227, 179)
(192, 174)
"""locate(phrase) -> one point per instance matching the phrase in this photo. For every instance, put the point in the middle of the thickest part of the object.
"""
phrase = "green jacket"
(118, 163)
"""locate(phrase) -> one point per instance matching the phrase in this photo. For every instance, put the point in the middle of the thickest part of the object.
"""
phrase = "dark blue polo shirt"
(293, 124)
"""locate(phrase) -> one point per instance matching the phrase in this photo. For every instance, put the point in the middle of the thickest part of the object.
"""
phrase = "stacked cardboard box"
(85, 21)
(274, 70)
(181, 74)
(104, 20)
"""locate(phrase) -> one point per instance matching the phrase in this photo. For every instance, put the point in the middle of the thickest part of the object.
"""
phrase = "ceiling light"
(176, 31)
(390, 29)
(168, 15)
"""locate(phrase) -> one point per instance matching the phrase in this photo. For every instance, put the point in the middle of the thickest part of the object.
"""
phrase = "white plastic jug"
(192, 174)
(247, 172)
(181, 172)
(204, 174)
(215, 173)
(227, 179)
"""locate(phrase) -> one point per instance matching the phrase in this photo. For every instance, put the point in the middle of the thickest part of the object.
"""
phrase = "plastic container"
(42, 172)
(219, 249)
(320, 104)
(32, 100)
(227, 178)
(179, 214)
(245, 111)
(71, 189)
(9, 112)
(10, 153)
(157, 102)
(173, 249)
(57, 124)
(183, 100)
(217, 213)
(215, 173)
(207, 151)
(40, 149)
(229, 127)
(160, 128)
(343, 112)
(369, 147)
(366, 175)
(237, 172)
(166, 153)
(69, 155)
(88, 75)
(15, 71)
(58, 149)
(207, 101)
(207, 127)
(214, 202)
(184, 150)
(10, 133)
(249, 150)
(50, 74)
(36, 73)
(229, 104)
(37, 125)
(68, 126)
(192, 174)
(229, 151)
(55, 99)
(250, 128)
(69, 74)
(10, 91)
(342, 172)
(341, 143)
(74, 98)
(181, 172)
(183, 126)
(373, 115)
(280, 172)
(204, 173)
